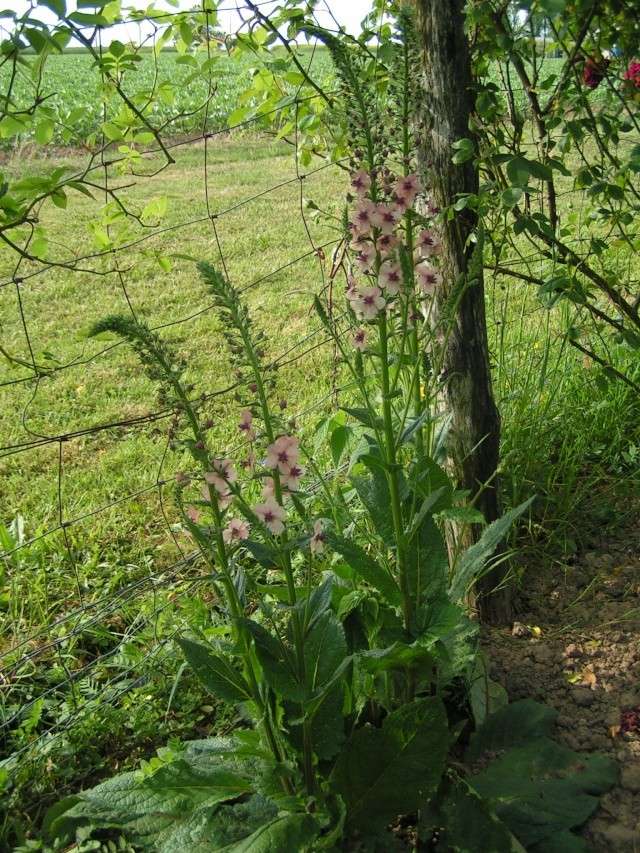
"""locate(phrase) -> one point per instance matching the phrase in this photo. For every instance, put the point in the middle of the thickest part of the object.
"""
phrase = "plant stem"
(392, 474)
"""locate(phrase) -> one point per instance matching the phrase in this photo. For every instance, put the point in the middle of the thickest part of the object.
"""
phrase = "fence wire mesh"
(99, 577)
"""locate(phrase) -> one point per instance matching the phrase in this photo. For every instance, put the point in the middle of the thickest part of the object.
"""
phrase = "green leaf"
(383, 773)
(325, 649)
(373, 492)
(511, 196)
(215, 672)
(366, 567)
(474, 559)
(57, 6)
(44, 131)
(397, 656)
(518, 171)
(364, 416)
(465, 151)
(276, 661)
(513, 725)
(553, 7)
(485, 695)
(263, 554)
(196, 785)
(155, 209)
(338, 442)
(541, 788)
(561, 842)
(287, 833)
(465, 822)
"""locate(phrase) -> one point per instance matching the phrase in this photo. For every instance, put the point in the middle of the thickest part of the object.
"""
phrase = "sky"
(349, 13)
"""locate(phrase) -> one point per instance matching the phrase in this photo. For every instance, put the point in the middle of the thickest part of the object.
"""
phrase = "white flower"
(290, 478)
(235, 531)
(272, 514)
(368, 303)
(428, 277)
(283, 453)
(317, 541)
(390, 277)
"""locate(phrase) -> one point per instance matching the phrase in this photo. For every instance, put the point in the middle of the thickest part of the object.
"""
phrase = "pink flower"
(428, 277)
(352, 288)
(366, 257)
(290, 478)
(361, 182)
(362, 217)
(390, 277)
(246, 424)
(317, 541)
(432, 208)
(360, 339)
(385, 218)
(221, 486)
(193, 514)
(272, 515)
(429, 243)
(235, 531)
(386, 243)
(213, 478)
(283, 453)
(368, 303)
(407, 187)
(632, 74)
(225, 468)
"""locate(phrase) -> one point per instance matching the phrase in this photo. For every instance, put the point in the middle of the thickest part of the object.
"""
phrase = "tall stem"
(392, 474)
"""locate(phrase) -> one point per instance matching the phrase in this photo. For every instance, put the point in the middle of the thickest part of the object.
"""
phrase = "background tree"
(445, 107)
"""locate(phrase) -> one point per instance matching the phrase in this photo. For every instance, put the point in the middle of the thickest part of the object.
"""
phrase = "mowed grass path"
(59, 306)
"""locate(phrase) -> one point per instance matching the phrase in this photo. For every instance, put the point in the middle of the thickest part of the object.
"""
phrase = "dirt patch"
(576, 646)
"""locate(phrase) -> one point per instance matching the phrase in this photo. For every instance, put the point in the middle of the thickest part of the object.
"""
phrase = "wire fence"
(67, 653)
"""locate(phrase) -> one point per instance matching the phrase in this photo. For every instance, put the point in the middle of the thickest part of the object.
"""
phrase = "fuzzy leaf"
(385, 772)
(475, 558)
(366, 567)
(215, 672)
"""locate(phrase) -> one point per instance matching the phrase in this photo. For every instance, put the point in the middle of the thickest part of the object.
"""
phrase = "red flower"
(593, 72)
(632, 74)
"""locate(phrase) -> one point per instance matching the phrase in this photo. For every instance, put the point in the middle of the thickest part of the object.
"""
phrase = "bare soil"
(576, 646)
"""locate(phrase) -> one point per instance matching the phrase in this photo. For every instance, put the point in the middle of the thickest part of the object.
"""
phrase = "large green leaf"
(197, 785)
(474, 559)
(485, 695)
(372, 572)
(542, 788)
(386, 772)
(276, 660)
(427, 562)
(464, 821)
(325, 649)
(215, 672)
(222, 827)
(294, 832)
(513, 725)
(373, 491)
(536, 786)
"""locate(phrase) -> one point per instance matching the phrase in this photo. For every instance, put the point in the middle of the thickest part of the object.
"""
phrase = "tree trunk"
(446, 105)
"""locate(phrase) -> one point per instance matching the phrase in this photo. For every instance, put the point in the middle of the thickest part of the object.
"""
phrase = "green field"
(113, 585)
(189, 99)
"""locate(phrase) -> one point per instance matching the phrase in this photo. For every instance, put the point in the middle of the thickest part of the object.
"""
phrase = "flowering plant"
(345, 641)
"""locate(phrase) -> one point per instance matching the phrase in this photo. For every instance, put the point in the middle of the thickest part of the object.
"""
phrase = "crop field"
(95, 508)
(73, 89)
